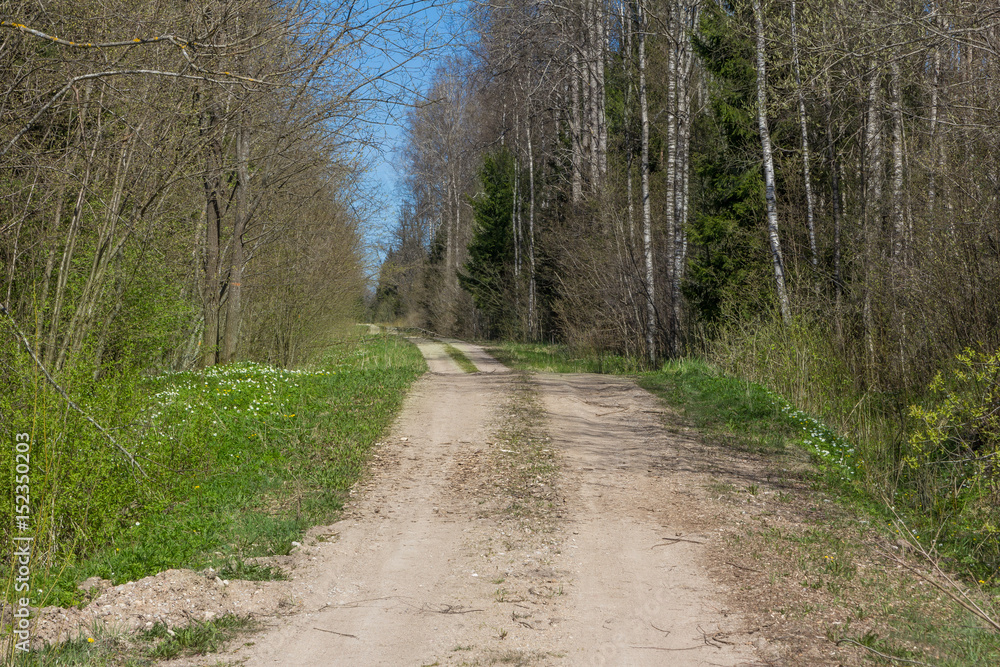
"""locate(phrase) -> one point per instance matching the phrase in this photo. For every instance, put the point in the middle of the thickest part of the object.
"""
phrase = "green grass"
(102, 647)
(249, 571)
(742, 414)
(195, 638)
(243, 458)
(96, 648)
(553, 358)
(463, 361)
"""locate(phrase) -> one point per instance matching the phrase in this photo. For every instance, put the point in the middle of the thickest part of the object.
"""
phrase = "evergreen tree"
(728, 265)
(488, 275)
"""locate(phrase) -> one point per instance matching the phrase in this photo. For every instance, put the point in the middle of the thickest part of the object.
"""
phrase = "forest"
(793, 204)
(178, 186)
(804, 193)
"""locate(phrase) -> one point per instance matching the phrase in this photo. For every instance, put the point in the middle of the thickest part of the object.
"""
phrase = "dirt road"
(599, 561)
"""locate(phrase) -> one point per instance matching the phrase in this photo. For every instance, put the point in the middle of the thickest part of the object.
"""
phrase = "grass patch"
(513, 657)
(551, 358)
(739, 414)
(243, 458)
(196, 638)
(459, 358)
(102, 647)
(249, 571)
(97, 648)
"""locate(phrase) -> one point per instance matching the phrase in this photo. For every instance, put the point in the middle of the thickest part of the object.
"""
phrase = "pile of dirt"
(173, 597)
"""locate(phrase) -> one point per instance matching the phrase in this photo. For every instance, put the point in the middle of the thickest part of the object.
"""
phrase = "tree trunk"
(234, 302)
(898, 212)
(682, 167)
(872, 210)
(838, 282)
(515, 227)
(765, 141)
(213, 222)
(810, 216)
(108, 248)
(457, 229)
(593, 123)
(626, 22)
(935, 102)
(602, 121)
(531, 236)
(72, 234)
(647, 223)
(576, 129)
(670, 167)
(69, 246)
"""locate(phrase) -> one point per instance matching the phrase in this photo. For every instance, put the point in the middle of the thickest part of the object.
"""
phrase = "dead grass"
(512, 657)
(521, 467)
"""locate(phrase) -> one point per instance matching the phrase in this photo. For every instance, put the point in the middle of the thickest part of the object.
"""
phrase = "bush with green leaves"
(953, 455)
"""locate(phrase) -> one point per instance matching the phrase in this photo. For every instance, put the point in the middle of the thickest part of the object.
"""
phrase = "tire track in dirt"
(636, 531)
(428, 567)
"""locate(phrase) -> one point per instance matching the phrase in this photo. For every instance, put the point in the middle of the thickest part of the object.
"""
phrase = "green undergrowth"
(924, 455)
(241, 459)
(459, 358)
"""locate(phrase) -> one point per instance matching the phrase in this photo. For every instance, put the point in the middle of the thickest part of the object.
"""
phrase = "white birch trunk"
(873, 209)
(810, 216)
(515, 223)
(935, 140)
(765, 142)
(834, 194)
(626, 22)
(647, 223)
(687, 18)
(454, 241)
(593, 124)
(898, 213)
(602, 122)
(531, 235)
(576, 130)
(670, 166)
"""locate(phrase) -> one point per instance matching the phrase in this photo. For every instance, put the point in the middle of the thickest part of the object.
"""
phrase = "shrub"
(953, 455)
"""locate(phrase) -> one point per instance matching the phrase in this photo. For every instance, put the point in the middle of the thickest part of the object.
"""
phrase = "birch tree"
(647, 222)
(804, 128)
(774, 240)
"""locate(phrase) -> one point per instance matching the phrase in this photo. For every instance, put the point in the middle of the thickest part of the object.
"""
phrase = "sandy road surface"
(426, 569)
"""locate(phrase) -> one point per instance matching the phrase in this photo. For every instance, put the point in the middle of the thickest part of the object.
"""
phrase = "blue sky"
(439, 18)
